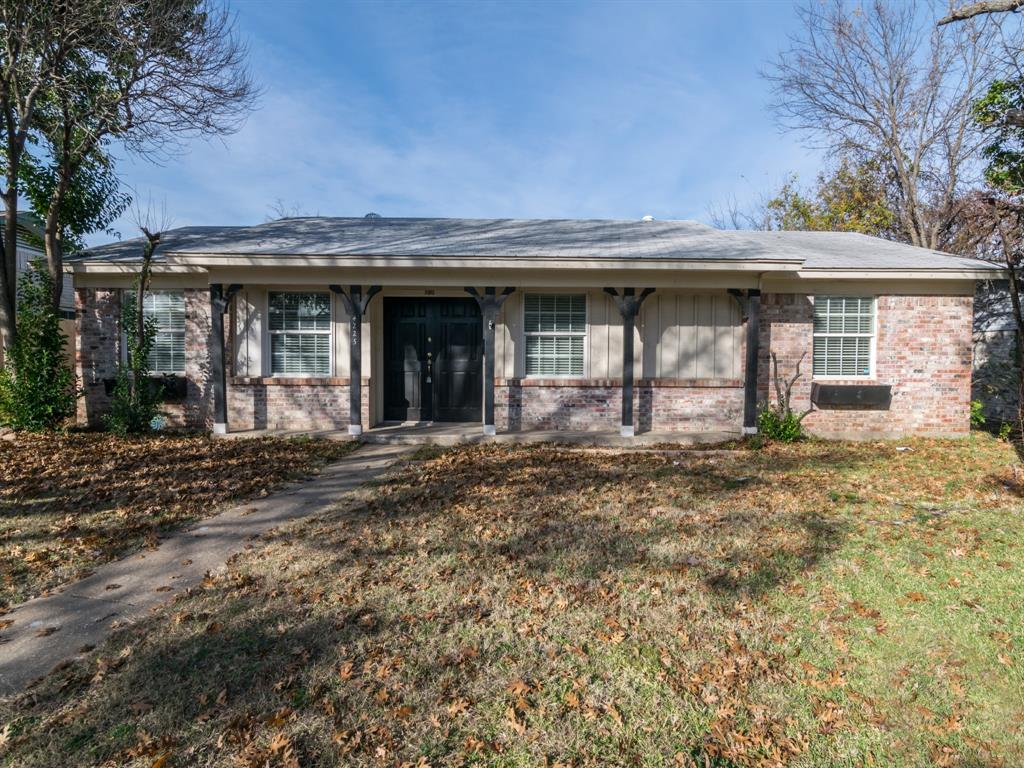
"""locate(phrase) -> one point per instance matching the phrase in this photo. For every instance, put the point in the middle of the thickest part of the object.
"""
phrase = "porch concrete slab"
(449, 434)
(60, 626)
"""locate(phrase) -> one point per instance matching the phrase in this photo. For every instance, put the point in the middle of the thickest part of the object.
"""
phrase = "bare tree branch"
(872, 81)
(971, 10)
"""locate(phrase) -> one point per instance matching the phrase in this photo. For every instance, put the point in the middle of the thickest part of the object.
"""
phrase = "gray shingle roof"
(554, 239)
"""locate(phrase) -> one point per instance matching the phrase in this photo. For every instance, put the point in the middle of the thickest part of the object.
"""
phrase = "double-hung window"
(166, 311)
(555, 326)
(844, 329)
(300, 334)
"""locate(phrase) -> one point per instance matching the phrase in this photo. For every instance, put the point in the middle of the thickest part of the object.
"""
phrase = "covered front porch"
(649, 360)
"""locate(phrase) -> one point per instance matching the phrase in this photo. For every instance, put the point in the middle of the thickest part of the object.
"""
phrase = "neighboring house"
(264, 324)
(29, 248)
(995, 382)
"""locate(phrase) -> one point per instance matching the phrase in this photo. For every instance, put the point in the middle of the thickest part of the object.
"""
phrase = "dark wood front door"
(433, 360)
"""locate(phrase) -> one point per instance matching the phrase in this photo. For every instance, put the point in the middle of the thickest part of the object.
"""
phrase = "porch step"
(449, 436)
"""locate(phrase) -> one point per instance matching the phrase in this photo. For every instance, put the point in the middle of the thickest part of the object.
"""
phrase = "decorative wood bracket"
(628, 302)
(743, 300)
(355, 301)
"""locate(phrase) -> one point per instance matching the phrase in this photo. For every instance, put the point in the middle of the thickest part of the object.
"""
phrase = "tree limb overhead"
(971, 10)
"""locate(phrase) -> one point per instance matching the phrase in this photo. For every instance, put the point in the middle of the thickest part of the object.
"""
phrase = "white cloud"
(611, 133)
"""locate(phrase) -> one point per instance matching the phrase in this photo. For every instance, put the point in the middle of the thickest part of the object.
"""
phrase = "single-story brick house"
(538, 324)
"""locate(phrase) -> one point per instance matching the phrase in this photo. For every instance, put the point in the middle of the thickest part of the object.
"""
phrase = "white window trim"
(872, 347)
(329, 333)
(124, 336)
(585, 334)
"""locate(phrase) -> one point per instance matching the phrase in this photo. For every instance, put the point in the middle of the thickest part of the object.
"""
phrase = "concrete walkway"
(51, 629)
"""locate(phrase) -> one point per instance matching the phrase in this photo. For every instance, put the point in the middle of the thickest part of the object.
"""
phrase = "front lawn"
(821, 604)
(70, 502)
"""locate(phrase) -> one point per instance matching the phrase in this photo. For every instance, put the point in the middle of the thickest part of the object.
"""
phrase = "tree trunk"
(9, 268)
(54, 253)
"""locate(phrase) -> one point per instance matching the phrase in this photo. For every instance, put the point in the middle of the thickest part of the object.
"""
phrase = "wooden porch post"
(220, 300)
(629, 307)
(750, 306)
(753, 355)
(355, 305)
(490, 305)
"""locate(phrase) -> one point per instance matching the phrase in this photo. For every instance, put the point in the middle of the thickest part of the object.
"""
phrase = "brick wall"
(693, 406)
(253, 403)
(97, 342)
(923, 350)
(265, 403)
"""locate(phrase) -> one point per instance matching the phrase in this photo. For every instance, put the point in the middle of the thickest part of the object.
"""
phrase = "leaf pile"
(70, 502)
(522, 606)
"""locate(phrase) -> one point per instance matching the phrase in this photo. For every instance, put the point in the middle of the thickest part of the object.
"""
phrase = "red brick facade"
(923, 351)
(97, 342)
(572, 404)
(265, 403)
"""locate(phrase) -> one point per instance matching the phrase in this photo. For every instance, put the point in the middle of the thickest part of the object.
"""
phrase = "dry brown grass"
(805, 605)
(70, 502)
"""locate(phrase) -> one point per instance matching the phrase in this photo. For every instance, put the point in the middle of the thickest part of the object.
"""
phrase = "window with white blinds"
(555, 327)
(844, 327)
(300, 334)
(166, 309)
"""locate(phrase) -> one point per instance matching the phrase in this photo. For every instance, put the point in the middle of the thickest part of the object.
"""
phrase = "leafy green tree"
(1004, 148)
(94, 198)
(37, 387)
(853, 197)
(76, 77)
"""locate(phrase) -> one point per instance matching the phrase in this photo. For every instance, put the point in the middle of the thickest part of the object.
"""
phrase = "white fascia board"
(720, 265)
(992, 273)
(129, 268)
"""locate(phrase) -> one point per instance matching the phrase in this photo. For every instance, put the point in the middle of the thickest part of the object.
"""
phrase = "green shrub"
(1005, 431)
(135, 402)
(778, 420)
(977, 414)
(38, 389)
(780, 424)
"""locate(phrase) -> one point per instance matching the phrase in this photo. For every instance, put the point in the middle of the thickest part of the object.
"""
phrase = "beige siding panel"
(669, 361)
(508, 330)
(724, 351)
(613, 352)
(341, 340)
(650, 325)
(597, 318)
(705, 337)
(250, 311)
(697, 336)
(686, 313)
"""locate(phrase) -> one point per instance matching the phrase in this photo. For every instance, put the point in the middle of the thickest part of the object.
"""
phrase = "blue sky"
(559, 109)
